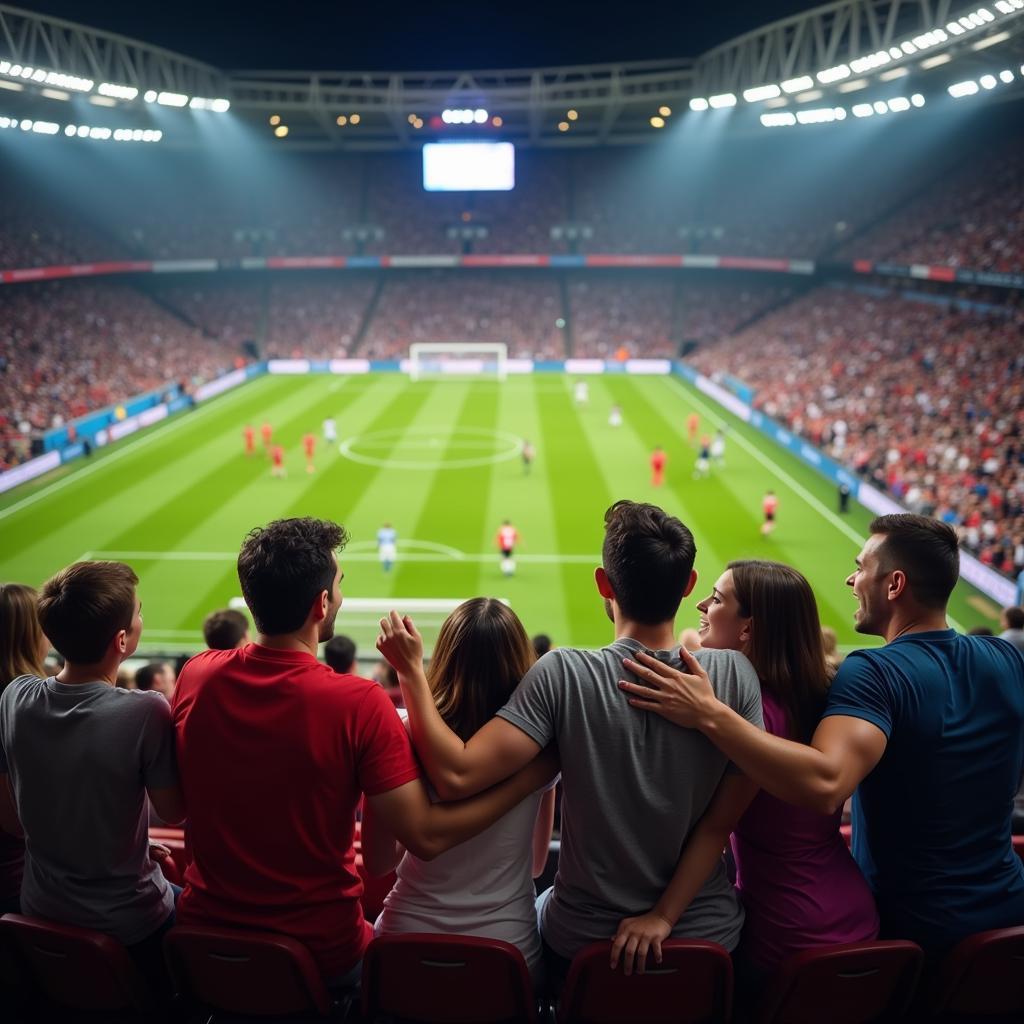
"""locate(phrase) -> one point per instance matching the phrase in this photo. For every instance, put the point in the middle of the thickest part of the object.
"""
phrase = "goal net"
(457, 358)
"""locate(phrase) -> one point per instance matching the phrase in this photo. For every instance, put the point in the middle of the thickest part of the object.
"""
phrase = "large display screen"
(469, 166)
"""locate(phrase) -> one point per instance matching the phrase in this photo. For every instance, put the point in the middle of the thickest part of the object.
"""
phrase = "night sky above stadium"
(374, 35)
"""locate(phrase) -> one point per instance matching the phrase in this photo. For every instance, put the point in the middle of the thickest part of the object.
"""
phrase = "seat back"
(77, 967)
(252, 973)
(453, 978)
(845, 984)
(693, 983)
(984, 976)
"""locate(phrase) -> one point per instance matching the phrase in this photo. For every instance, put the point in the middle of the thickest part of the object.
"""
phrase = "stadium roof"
(798, 65)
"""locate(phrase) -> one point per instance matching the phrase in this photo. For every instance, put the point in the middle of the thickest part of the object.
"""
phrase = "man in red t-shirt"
(769, 504)
(277, 461)
(266, 432)
(506, 539)
(658, 460)
(275, 751)
(250, 439)
(309, 446)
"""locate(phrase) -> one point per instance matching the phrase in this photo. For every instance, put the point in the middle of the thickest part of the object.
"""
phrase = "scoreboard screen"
(469, 166)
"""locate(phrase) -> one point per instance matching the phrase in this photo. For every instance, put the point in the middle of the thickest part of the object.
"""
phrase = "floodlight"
(993, 40)
(171, 99)
(936, 61)
(881, 107)
(987, 81)
(698, 103)
(893, 73)
(836, 74)
(1006, 76)
(150, 96)
(863, 110)
(722, 100)
(117, 92)
(798, 84)
(960, 89)
(955, 28)
(898, 104)
(780, 120)
(761, 92)
(917, 100)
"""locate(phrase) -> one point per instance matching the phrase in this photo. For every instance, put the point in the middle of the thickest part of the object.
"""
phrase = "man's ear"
(692, 583)
(318, 612)
(897, 585)
(604, 585)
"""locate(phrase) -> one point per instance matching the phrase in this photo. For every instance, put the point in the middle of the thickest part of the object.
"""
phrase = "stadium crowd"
(280, 795)
(922, 399)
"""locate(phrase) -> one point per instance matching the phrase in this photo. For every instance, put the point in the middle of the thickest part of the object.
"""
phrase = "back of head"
(481, 654)
(786, 646)
(648, 556)
(84, 606)
(146, 675)
(340, 653)
(21, 636)
(1013, 617)
(541, 644)
(225, 629)
(284, 566)
(926, 550)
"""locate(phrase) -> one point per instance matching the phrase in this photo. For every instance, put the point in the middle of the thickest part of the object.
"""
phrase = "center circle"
(399, 447)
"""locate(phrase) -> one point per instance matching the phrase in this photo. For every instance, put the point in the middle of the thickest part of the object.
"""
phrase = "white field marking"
(443, 437)
(368, 556)
(122, 450)
(769, 463)
(360, 546)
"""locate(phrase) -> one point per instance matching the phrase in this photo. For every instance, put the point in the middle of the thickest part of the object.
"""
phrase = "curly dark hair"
(284, 567)
(648, 556)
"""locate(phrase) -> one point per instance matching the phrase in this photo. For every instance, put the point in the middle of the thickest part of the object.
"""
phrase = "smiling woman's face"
(721, 624)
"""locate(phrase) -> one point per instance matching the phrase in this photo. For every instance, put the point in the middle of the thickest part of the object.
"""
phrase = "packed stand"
(923, 400)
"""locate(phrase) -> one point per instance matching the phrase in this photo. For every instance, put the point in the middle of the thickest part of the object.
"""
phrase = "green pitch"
(439, 460)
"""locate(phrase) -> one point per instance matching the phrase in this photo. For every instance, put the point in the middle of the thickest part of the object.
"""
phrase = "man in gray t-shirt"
(634, 789)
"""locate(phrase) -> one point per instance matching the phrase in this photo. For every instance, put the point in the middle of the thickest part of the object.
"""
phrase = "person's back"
(931, 823)
(633, 787)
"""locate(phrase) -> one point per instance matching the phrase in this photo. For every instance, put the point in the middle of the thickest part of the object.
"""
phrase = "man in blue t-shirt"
(928, 729)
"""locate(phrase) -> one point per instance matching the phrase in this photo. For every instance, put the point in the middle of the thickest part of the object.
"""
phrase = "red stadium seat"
(248, 973)
(982, 978)
(692, 983)
(446, 978)
(852, 983)
(77, 967)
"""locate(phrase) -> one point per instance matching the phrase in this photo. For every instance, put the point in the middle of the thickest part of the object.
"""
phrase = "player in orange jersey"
(266, 432)
(250, 439)
(309, 446)
(658, 460)
(768, 505)
(277, 461)
(693, 427)
(506, 540)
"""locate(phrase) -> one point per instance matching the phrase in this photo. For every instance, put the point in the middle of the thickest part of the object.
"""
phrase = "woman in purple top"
(799, 883)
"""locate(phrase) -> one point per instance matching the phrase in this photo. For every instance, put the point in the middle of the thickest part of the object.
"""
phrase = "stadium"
(771, 288)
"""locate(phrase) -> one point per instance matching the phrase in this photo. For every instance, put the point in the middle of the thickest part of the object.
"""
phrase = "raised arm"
(457, 769)
(843, 750)
(639, 935)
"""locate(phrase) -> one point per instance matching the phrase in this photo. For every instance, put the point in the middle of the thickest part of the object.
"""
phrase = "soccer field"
(440, 461)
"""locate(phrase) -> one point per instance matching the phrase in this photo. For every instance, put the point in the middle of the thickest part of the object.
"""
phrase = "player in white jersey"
(507, 537)
(615, 416)
(581, 392)
(330, 430)
(387, 546)
(718, 448)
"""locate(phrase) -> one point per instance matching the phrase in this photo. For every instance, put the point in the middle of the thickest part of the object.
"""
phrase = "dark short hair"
(283, 567)
(146, 674)
(84, 606)
(1014, 617)
(340, 653)
(223, 629)
(648, 556)
(541, 644)
(925, 549)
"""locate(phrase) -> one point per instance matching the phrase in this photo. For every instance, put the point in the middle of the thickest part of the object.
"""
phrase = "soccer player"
(387, 546)
(703, 464)
(658, 460)
(581, 392)
(266, 431)
(250, 439)
(768, 505)
(528, 453)
(309, 446)
(693, 427)
(330, 430)
(507, 537)
(277, 461)
(718, 448)
(615, 416)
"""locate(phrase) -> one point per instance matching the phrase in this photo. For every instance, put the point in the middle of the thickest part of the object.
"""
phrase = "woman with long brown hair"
(23, 649)
(800, 885)
(485, 885)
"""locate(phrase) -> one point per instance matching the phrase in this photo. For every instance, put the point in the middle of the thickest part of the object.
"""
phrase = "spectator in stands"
(23, 649)
(799, 884)
(541, 644)
(157, 676)
(485, 886)
(276, 756)
(690, 639)
(980, 631)
(928, 729)
(226, 629)
(81, 756)
(340, 654)
(1012, 621)
(632, 794)
(831, 642)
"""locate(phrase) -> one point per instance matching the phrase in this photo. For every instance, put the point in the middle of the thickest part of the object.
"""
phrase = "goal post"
(458, 358)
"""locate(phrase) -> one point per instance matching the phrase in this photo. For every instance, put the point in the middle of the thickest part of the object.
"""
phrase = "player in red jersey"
(506, 539)
(250, 439)
(266, 432)
(277, 461)
(693, 427)
(658, 460)
(309, 446)
(768, 505)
